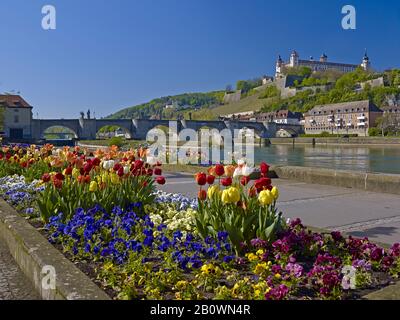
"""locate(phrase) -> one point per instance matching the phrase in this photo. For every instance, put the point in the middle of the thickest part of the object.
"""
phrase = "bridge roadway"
(359, 213)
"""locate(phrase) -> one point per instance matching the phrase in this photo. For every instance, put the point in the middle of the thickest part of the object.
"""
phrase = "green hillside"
(209, 105)
(156, 107)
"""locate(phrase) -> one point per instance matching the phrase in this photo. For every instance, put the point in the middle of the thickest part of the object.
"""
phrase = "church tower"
(294, 59)
(366, 64)
(278, 67)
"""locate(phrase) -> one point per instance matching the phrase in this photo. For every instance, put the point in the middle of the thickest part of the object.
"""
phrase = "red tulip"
(120, 171)
(149, 172)
(59, 176)
(57, 183)
(262, 183)
(219, 170)
(116, 167)
(264, 168)
(244, 180)
(138, 164)
(68, 171)
(160, 180)
(157, 171)
(201, 178)
(46, 177)
(210, 179)
(202, 195)
(96, 162)
(226, 182)
(252, 192)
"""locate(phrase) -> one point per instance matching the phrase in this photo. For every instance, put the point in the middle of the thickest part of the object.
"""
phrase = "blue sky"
(107, 55)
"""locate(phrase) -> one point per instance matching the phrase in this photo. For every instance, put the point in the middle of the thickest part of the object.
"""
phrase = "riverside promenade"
(13, 283)
(356, 212)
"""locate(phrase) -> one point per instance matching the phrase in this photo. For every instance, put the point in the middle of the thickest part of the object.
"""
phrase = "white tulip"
(246, 170)
(237, 172)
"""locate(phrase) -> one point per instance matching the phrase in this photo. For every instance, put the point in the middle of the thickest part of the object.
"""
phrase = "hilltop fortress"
(321, 65)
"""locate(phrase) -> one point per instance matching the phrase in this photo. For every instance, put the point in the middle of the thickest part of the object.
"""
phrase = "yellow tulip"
(225, 196)
(231, 195)
(265, 197)
(114, 178)
(75, 172)
(212, 191)
(234, 194)
(275, 193)
(93, 187)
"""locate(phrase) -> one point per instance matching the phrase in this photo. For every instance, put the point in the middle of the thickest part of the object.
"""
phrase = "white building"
(17, 115)
(321, 65)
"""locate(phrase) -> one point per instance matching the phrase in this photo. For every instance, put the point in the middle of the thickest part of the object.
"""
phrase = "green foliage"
(116, 141)
(374, 132)
(343, 91)
(246, 85)
(156, 106)
(242, 224)
(270, 92)
(298, 71)
(73, 195)
(30, 171)
(110, 128)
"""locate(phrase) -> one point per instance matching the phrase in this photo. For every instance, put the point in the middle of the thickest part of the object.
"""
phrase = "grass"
(250, 103)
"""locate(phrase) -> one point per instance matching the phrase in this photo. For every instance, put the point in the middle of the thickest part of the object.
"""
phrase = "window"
(16, 119)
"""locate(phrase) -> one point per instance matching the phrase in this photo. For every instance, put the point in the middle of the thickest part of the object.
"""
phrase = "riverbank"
(374, 141)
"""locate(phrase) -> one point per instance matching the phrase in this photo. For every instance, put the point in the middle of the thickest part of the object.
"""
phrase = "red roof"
(13, 101)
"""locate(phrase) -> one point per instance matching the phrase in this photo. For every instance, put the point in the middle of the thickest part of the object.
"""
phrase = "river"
(382, 159)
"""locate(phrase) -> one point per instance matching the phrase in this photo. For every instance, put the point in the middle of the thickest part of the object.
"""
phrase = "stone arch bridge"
(86, 129)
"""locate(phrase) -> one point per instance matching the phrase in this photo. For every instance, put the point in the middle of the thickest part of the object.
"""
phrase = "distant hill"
(179, 104)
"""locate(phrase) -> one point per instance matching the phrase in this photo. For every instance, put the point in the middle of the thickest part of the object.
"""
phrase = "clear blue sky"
(106, 55)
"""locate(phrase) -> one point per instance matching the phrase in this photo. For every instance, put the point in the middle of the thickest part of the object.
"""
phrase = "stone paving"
(357, 212)
(13, 284)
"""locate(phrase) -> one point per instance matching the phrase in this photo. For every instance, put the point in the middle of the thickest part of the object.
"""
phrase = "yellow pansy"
(251, 257)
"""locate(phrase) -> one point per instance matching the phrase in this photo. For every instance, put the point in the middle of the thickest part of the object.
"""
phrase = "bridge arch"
(58, 132)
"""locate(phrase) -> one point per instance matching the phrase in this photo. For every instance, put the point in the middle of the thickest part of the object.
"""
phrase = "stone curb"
(374, 182)
(32, 252)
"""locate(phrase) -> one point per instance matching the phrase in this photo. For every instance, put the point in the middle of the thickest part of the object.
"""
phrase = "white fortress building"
(321, 65)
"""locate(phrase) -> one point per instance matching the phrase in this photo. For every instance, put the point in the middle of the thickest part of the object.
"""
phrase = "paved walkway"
(13, 284)
(359, 213)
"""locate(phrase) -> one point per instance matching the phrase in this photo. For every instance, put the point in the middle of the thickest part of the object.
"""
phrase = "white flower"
(237, 172)
(126, 169)
(246, 170)
(151, 160)
(241, 162)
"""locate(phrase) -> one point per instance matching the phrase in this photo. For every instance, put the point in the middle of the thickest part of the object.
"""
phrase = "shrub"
(116, 141)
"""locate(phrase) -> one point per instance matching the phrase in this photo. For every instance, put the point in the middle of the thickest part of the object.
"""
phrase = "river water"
(383, 159)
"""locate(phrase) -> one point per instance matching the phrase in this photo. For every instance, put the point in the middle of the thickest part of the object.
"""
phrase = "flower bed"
(104, 212)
